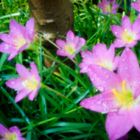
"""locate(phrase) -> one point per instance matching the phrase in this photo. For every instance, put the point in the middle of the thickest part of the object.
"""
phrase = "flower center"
(30, 83)
(69, 49)
(19, 42)
(108, 8)
(124, 96)
(106, 64)
(128, 36)
(10, 136)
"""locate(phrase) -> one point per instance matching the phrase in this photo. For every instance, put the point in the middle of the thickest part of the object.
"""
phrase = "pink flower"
(108, 6)
(13, 133)
(120, 97)
(27, 84)
(136, 5)
(71, 46)
(18, 39)
(127, 34)
(100, 56)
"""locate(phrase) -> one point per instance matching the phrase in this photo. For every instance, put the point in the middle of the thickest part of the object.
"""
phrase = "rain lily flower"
(13, 133)
(120, 97)
(108, 6)
(18, 39)
(27, 84)
(136, 5)
(127, 34)
(100, 56)
(71, 46)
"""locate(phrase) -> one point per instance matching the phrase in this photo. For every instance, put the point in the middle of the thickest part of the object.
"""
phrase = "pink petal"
(12, 55)
(103, 103)
(15, 84)
(61, 53)
(118, 43)
(118, 124)
(136, 25)
(3, 130)
(117, 30)
(70, 36)
(103, 79)
(135, 113)
(6, 48)
(6, 38)
(30, 28)
(32, 95)
(128, 68)
(81, 42)
(22, 71)
(126, 22)
(15, 129)
(16, 28)
(136, 5)
(60, 43)
(22, 94)
(34, 70)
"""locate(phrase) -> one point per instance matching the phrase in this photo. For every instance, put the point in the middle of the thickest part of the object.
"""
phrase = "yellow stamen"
(10, 136)
(124, 96)
(106, 64)
(69, 49)
(30, 83)
(128, 36)
(19, 42)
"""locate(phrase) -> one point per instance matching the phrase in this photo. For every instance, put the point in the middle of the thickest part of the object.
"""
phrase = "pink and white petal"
(81, 43)
(6, 48)
(135, 114)
(21, 95)
(102, 78)
(118, 43)
(22, 71)
(61, 52)
(99, 51)
(6, 38)
(131, 45)
(30, 27)
(34, 70)
(126, 22)
(136, 25)
(128, 68)
(102, 103)
(136, 5)
(118, 124)
(117, 30)
(60, 43)
(16, 28)
(70, 36)
(3, 130)
(12, 55)
(15, 84)
(15, 129)
(32, 95)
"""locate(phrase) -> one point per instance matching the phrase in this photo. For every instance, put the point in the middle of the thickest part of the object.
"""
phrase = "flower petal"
(126, 22)
(118, 124)
(60, 43)
(15, 129)
(136, 25)
(34, 70)
(22, 71)
(103, 103)
(70, 36)
(15, 84)
(22, 94)
(6, 48)
(102, 78)
(32, 95)
(30, 28)
(3, 130)
(117, 30)
(128, 69)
